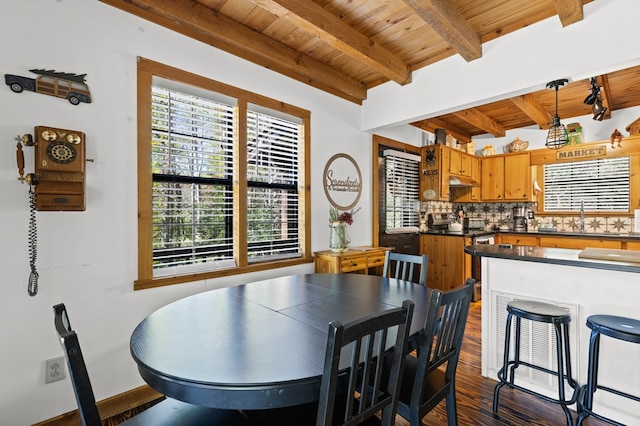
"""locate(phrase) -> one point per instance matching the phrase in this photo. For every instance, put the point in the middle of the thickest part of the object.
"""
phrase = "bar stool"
(546, 313)
(621, 328)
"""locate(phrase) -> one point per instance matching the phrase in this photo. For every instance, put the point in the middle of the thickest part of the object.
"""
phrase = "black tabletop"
(259, 345)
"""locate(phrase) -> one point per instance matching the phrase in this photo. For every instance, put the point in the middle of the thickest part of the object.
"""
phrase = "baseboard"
(109, 407)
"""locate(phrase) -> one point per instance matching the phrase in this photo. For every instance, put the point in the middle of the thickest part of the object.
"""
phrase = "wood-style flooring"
(475, 394)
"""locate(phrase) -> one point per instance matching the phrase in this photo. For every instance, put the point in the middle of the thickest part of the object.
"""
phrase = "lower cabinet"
(367, 260)
(449, 265)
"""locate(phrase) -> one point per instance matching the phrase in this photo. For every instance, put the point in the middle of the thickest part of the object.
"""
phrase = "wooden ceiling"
(345, 47)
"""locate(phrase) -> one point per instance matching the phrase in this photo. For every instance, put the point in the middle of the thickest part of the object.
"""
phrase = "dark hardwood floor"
(475, 394)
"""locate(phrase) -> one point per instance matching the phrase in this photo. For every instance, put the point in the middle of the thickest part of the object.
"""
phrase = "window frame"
(146, 70)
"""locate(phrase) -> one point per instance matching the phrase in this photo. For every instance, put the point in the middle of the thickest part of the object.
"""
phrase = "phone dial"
(57, 182)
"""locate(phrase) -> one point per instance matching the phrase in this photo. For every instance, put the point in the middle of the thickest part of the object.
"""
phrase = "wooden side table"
(359, 260)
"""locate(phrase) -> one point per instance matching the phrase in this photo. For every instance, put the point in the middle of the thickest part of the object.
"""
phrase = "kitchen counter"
(632, 236)
(470, 233)
(557, 256)
(584, 287)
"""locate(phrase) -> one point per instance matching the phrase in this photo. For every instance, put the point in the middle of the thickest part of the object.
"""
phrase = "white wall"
(88, 259)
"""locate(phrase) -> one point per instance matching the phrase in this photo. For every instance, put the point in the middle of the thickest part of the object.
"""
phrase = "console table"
(360, 260)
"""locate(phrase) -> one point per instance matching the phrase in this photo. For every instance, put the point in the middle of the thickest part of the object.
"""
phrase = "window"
(222, 178)
(603, 185)
(402, 185)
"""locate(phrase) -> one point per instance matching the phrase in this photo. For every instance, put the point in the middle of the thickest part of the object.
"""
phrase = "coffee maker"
(520, 222)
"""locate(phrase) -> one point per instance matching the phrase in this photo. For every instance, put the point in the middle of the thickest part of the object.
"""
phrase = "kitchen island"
(585, 287)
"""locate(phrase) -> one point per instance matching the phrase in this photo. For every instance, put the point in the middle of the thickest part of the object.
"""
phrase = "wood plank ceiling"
(345, 47)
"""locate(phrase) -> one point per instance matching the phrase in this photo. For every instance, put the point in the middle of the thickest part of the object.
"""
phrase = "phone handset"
(32, 285)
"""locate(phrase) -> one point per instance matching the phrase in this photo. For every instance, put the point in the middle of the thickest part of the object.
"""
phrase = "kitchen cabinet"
(467, 194)
(579, 243)
(517, 240)
(434, 179)
(365, 260)
(460, 163)
(506, 177)
(449, 265)
(633, 245)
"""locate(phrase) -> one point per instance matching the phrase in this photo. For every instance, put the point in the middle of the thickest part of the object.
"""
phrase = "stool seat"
(559, 318)
(622, 328)
(539, 311)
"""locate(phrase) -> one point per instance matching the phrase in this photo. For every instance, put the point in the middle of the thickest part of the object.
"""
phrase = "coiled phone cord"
(32, 287)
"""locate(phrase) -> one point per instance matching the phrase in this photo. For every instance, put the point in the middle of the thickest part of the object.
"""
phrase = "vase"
(338, 237)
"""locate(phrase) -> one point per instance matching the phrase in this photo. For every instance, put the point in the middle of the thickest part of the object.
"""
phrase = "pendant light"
(557, 136)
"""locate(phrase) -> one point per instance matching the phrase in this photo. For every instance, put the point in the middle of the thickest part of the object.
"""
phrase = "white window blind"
(192, 143)
(402, 185)
(602, 184)
(272, 180)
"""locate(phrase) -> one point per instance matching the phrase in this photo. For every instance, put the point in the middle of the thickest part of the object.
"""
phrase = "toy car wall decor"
(49, 82)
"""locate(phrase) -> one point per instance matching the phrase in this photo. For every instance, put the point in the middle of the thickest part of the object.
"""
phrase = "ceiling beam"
(478, 119)
(336, 33)
(605, 93)
(199, 22)
(569, 11)
(445, 20)
(431, 124)
(531, 107)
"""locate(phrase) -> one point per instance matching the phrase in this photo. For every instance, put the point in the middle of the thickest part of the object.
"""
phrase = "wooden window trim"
(147, 69)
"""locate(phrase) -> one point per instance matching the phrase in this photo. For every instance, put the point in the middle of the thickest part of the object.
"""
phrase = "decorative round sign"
(342, 181)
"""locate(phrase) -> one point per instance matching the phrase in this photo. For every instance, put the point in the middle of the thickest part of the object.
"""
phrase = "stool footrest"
(572, 383)
(573, 399)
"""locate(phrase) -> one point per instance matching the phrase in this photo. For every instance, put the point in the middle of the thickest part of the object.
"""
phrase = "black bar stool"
(621, 328)
(546, 313)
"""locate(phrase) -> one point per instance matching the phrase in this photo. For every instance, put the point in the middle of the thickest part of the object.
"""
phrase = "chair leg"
(452, 409)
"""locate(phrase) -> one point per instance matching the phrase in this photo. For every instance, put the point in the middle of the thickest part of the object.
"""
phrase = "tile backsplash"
(498, 215)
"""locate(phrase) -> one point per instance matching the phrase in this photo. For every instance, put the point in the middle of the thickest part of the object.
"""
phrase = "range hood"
(462, 181)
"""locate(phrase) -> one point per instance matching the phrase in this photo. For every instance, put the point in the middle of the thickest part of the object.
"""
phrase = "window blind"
(272, 180)
(402, 186)
(602, 184)
(192, 152)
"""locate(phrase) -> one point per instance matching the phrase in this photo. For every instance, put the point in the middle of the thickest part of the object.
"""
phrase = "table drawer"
(353, 264)
(376, 260)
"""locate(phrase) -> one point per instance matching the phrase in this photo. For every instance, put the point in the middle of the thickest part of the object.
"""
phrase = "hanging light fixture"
(557, 136)
(594, 99)
(595, 91)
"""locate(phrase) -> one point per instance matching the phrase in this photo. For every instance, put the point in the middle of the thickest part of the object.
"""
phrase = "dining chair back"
(402, 266)
(167, 412)
(366, 343)
(430, 377)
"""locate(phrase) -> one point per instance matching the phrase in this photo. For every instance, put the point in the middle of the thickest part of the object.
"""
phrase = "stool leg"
(560, 361)
(567, 348)
(516, 360)
(502, 372)
(592, 377)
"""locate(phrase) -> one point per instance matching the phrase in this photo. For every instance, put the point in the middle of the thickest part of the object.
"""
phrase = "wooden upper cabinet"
(506, 178)
(460, 163)
(517, 172)
(492, 179)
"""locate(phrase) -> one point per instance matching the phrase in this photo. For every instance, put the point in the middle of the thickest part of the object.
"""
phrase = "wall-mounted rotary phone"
(57, 182)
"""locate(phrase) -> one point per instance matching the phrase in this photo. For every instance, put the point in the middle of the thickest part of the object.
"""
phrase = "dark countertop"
(558, 256)
(470, 233)
(631, 236)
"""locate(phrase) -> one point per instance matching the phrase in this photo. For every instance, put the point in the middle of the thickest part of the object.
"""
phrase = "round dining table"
(259, 345)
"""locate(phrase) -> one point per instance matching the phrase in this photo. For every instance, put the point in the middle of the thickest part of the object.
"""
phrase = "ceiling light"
(598, 109)
(557, 136)
(595, 91)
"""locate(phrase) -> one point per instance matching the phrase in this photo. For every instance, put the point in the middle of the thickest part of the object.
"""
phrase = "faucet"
(581, 215)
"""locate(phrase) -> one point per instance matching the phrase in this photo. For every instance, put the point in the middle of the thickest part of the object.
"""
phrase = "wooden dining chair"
(401, 266)
(431, 376)
(353, 388)
(167, 412)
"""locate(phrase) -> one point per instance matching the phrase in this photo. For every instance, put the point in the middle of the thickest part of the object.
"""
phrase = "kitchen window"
(402, 191)
(222, 178)
(602, 184)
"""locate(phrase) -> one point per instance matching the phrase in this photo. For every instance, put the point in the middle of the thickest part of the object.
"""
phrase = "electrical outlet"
(54, 369)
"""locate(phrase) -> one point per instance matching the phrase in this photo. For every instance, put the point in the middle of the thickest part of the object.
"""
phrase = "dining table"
(259, 345)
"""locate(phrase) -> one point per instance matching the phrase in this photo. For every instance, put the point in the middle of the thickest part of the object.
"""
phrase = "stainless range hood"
(462, 181)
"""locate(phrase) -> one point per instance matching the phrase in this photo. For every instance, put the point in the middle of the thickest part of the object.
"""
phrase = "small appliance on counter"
(473, 223)
(520, 222)
(438, 222)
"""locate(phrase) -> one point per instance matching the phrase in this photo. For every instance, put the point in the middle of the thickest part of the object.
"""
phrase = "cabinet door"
(492, 182)
(633, 245)
(460, 163)
(578, 243)
(475, 194)
(517, 177)
(519, 240)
